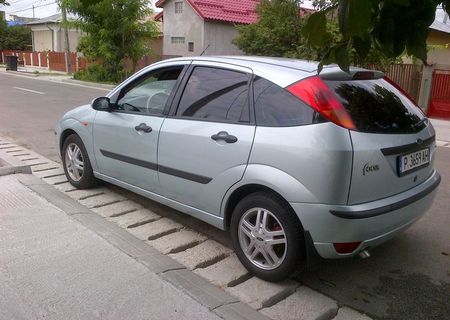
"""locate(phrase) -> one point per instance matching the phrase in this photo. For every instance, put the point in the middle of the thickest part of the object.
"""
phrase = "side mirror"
(101, 104)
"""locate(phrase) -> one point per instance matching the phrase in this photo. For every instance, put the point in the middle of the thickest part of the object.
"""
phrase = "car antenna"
(204, 50)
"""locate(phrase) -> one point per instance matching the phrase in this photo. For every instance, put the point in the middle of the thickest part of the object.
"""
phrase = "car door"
(205, 143)
(126, 138)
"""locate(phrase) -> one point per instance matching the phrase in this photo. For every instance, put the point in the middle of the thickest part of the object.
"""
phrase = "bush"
(96, 73)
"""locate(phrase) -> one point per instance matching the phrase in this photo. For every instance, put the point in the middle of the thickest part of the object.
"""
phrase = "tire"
(79, 172)
(280, 219)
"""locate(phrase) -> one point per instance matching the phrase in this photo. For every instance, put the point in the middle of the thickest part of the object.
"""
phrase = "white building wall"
(219, 37)
(187, 24)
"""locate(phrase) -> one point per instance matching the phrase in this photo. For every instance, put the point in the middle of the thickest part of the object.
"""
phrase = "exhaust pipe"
(364, 254)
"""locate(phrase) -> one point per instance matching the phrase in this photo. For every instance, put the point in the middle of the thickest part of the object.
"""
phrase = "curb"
(168, 269)
(11, 165)
(90, 84)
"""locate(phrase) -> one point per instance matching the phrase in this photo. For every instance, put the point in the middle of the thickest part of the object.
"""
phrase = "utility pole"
(66, 39)
(33, 11)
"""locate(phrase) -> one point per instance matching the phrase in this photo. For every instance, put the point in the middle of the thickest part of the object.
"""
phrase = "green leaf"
(355, 17)
(417, 45)
(362, 46)
(315, 30)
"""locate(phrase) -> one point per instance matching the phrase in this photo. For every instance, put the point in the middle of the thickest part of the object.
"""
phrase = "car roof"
(281, 71)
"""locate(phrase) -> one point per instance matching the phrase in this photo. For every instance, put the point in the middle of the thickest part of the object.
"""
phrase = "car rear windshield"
(376, 106)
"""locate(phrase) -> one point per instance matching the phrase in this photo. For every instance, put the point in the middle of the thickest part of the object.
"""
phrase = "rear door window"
(376, 106)
(217, 95)
(276, 107)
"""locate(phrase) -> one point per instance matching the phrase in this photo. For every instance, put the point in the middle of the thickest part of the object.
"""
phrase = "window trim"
(180, 90)
(144, 76)
(175, 7)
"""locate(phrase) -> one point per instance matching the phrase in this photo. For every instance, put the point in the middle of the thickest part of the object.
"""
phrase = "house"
(193, 26)
(48, 34)
(439, 39)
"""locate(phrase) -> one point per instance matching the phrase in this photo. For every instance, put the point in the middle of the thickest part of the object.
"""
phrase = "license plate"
(413, 161)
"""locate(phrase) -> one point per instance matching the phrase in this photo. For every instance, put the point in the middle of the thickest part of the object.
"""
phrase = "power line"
(31, 8)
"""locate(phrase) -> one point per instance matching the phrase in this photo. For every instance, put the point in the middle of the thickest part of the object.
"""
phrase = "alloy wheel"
(74, 162)
(262, 238)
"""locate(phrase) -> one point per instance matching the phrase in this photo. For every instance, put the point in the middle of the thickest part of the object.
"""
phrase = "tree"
(3, 2)
(390, 27)
(278, 33)
(115, 30)
(15, 37)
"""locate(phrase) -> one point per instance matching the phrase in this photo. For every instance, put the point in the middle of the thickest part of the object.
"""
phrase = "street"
(406, 278)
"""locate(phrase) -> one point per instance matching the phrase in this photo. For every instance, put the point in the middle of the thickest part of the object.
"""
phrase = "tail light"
(346, 247)
(321, 98)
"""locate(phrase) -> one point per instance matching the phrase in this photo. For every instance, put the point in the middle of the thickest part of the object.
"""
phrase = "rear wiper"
(424, 120)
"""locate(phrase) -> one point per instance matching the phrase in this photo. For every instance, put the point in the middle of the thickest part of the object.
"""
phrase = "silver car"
(294, 164)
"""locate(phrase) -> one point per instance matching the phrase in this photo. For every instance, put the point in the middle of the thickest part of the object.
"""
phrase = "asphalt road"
(406, 278)
(30, 108)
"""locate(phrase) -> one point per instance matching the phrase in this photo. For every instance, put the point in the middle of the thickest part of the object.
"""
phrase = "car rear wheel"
(267, 236)
(77, 166)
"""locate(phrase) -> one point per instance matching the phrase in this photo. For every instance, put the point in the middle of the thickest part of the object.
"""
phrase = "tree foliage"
(391, 27)
(279, 32)
(15, 37)
(115, 31)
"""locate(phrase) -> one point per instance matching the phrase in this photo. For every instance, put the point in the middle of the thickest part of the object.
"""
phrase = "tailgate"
(386, 164)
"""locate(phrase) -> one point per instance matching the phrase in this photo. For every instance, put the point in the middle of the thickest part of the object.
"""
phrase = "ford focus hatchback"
(292, 163)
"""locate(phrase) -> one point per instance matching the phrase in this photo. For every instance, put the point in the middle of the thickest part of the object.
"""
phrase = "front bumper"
(371, 223)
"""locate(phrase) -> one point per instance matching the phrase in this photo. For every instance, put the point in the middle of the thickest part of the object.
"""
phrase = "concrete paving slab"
(239, 311)
(304, 304)
(102, 200)
(196, 287)
(226, 273)
(82, 194)
(346, 313)
(46, 166)
(64, 187)
(27, 157)
(35, 162)
(135, 218)
(113, 209)
(177, 241)
(49, 173)
(56, 180)
(156, 229)
(261, 294)
(203, 255)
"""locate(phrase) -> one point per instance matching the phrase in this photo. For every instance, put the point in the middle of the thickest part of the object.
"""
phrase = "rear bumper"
(371, 223)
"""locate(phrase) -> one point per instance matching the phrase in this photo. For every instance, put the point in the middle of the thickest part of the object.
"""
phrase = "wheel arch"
(241, 192)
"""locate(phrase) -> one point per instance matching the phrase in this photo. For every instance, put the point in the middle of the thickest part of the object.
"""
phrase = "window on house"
(177, 39)
(191, 47)
(179, 7)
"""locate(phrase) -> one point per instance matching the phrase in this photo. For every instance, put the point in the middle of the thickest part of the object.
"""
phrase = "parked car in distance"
(292, 163)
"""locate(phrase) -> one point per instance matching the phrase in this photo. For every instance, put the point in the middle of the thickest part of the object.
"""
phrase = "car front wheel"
(77, 166)
(267, 236)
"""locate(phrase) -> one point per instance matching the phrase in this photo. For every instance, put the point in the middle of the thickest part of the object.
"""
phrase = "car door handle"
(143, 127)
(223, 135)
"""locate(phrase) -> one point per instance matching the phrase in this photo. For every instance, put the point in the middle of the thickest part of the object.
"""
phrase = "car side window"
(276, 107)
(150, 93)
(215, 94)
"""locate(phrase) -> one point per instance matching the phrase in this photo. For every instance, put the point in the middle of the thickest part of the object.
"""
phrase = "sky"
(45, 8)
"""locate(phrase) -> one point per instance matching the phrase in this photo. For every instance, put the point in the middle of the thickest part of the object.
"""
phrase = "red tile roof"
(234, 11)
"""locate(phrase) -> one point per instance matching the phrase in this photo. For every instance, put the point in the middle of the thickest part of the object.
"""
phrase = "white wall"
(187, 24)
(219, 37)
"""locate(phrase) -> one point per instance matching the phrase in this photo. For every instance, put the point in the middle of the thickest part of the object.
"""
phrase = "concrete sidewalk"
(442, 128)
(53, 267)
(60, 260)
